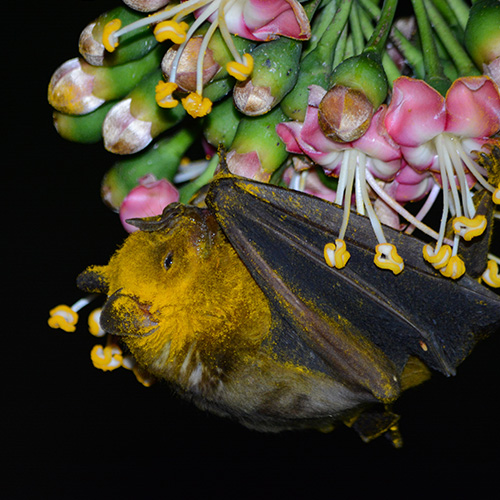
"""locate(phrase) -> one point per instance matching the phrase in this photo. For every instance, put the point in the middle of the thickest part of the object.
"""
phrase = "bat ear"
(93, 280)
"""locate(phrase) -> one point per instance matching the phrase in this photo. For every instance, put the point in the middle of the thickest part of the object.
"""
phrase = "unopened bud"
(344, 114)
(252, 100)
(71, 89)
(145, 5)
(185, 76)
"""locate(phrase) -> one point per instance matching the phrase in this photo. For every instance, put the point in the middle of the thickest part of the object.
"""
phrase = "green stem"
(432, 65)
(457, 53)
(320, 24)
(370, 7)
(390, 68)
(449, 15)
(381, 32)
(340, 49)
(366, 23)
(187, 191)
(328, 42)
(411, 53)
(461, 11)
(356, 31)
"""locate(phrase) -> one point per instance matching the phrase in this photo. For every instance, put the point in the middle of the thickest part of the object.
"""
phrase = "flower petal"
(265, 20)
(416, 113)
(473, 107)
(376, 142)
(147, 200)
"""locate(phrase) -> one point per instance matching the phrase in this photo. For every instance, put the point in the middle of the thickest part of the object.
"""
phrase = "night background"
(72, 431)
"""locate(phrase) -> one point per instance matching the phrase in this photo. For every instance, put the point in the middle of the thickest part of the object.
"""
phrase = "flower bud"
(364, 73)
(147, 200)
(344, 114)
(185, 76)
(482, 33)
(146, 5)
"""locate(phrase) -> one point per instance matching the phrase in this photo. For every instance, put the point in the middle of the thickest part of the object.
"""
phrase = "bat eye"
(168, 261)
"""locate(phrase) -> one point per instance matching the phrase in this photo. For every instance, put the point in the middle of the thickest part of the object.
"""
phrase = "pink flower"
(373, 155)
(440, 134)
(147, 199)
(263, 20)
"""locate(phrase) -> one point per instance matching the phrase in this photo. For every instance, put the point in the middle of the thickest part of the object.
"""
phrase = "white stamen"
(399, 209)
(190, 171)
(360, 175)
(185, 8)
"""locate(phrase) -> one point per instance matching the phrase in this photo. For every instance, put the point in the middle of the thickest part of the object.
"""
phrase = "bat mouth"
(125, 315)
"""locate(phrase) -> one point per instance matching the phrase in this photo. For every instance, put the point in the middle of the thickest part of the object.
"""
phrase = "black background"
(71, 431)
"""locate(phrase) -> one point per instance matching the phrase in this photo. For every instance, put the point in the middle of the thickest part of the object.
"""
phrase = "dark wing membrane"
(280, 235)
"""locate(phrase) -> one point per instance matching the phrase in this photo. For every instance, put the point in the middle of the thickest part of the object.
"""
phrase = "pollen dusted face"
(180, 296)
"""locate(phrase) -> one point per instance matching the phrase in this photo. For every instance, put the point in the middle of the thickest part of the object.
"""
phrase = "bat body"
(235, 305)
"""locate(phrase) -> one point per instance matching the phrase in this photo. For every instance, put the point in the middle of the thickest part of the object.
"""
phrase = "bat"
(234, 304)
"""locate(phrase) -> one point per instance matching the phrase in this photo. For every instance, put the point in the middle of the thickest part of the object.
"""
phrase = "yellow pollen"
(109, 40)
(143, 377)
(438, 259)
(197, 105)
(491, 275)
(94, 327)
(163, 94)
(63, 317)
(387, 257)
(171, 30)
(336, 255)
(496, 195)
(454, 269)
(241, 70)
(469, 228)
(106, 358)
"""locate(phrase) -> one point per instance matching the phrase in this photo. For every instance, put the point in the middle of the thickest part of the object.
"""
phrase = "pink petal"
(422, 157)
(416, 113)
(264, 20)
(147, 200)
(410, 185)
(247, 165)
(289, 132)
(267, 20)
(376, 142)
(473, 107)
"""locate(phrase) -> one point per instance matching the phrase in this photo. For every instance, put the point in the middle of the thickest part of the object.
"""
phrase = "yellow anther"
(63, 317)
(109, 39)
(336, 255)
(163, 94)
(94, 326)
(387, 257)
(437, 259)
(146, 379)
(241, 71)
(106, 358)
(491, 276)
(469, 228)
(196, 105)
(496, 195)
(454, 269)
(171, 30)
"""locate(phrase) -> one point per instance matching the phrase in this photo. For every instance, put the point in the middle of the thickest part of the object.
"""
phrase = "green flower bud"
(133, 45)
(219, 127)
(364, 73)
(275, 71)
(133, 123)
(86, 129)
(162, 160)
(257, 144)
(482, 33)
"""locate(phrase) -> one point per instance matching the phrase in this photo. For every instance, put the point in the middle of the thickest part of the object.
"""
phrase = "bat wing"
(360, 323)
